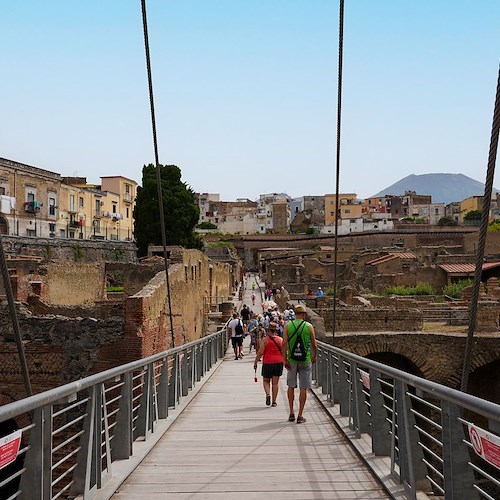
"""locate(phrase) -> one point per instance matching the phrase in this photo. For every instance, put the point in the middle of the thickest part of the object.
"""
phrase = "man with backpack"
(299, 352)
(235, 329)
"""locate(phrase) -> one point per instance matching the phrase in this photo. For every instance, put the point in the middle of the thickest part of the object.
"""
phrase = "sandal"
(274, 404)
(268, 400)
(291, 418)
(301, 419)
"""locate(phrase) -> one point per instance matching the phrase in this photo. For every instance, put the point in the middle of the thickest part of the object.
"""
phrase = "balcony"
(7, 204)
(116, 216)
(127, 197)
(32, 206)
(97, 214)
(72, 209)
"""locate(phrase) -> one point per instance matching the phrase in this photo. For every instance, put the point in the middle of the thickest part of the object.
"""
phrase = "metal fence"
(71, 435)
(440, 441)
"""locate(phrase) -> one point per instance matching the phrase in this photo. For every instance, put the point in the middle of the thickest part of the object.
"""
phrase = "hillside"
(444, 188)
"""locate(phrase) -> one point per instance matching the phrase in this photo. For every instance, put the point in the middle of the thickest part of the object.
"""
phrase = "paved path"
(227, 444)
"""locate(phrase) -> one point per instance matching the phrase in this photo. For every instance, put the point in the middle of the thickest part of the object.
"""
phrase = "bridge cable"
(337, 173)
(157, 163)
(15, 322)
(482, 239)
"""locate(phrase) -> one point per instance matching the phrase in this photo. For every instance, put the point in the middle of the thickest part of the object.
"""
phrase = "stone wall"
(147, 322)
(362, 319)
(72, 250)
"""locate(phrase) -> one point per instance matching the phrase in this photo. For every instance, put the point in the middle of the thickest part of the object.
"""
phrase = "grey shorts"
(304, 371)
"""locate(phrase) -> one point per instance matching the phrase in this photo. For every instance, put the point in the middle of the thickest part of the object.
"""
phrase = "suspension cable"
(15, 322)
(482, 239)
(337, 173)
(157, 162)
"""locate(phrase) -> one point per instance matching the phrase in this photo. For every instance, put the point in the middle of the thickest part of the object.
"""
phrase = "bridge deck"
(228, 444)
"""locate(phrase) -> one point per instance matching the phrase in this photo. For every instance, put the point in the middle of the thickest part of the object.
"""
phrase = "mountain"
(444, 188)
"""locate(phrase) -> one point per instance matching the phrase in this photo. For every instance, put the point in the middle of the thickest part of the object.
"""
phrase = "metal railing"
(441, 442)
(71, 435)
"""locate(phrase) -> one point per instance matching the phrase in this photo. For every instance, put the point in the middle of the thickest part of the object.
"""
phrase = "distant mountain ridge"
(444, 188)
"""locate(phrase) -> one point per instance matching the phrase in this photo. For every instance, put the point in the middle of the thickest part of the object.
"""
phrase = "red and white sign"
(365, 378)
(9, 447)
(486, 445)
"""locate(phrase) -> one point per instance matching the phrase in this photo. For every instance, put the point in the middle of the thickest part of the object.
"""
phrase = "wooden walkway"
(227, 444)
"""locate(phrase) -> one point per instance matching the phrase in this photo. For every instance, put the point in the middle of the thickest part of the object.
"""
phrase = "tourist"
(320, 293)
(253, 325)
(235, 329)
(245, 316)
(270, 351)
(299, 352)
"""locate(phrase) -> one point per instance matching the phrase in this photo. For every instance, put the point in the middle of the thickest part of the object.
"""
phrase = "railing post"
(36, 481)
(83, 477)
(147, 410)
(458, 476)
(380, 428)
(413, 469)
(122, 443)
(185, 373)
(360, 415)
(343, 386)
(172, 386)
(163, 390)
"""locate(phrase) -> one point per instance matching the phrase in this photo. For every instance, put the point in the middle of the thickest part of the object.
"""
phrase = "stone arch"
(377, 349)
(484, 379)
(4, 225)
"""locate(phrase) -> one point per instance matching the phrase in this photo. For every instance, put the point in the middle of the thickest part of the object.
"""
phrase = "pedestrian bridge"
(191, 423)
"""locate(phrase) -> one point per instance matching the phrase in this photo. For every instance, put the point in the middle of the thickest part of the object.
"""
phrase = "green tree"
(473, 215)
(180, 209)
(446, 221)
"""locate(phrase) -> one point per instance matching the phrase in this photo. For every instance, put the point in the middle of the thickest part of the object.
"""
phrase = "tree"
(473, 215)
(180, 209)
(447, 221)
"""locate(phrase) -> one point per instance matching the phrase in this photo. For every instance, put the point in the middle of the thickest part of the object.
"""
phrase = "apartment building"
(38, 203)
(349, 208)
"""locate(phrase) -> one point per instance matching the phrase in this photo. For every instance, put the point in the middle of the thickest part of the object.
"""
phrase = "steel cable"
(482, 239)
(337, 172)
(157, 163)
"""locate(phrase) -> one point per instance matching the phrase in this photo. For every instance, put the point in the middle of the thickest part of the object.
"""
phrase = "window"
(114, 208)
(98, 207)
(127, 211)
(52, 227)
(71, 234)
(52, 206)
(127, 188)
(347, 210)
(97, 226)
(31, 197)
(30, 232)
(72, 203)
(2, 190)
(332, 214)
(80, 202)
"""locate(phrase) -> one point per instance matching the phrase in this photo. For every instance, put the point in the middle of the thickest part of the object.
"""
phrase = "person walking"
(299, 350)
(272, 363)
(235, 329)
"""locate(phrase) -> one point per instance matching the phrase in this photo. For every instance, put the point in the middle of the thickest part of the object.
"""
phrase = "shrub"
(330, 292)
(420, 289)
(455, 289)
(206, 225)
(310, 230)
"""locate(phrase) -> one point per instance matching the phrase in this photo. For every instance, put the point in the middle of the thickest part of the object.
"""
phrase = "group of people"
(282, 341)
(296, 352)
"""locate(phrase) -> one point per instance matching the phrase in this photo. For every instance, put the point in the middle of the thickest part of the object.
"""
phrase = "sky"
(246, 90)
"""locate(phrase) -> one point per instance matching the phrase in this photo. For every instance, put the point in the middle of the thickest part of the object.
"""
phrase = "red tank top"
(272, 354)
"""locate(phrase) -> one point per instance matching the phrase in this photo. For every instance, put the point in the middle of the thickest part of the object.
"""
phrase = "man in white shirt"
(235, 329)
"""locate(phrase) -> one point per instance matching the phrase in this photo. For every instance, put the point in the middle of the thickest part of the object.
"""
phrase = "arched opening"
(484, 382)
(4, 227)
(395, 361)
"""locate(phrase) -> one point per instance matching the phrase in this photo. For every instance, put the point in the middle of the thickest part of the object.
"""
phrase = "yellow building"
(470, 204)
(349, 207)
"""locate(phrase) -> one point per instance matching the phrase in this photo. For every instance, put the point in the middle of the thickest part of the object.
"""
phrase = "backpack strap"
(275, 343)
(297, 330)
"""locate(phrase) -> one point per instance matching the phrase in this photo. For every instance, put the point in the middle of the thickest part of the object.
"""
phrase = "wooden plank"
(228, 443)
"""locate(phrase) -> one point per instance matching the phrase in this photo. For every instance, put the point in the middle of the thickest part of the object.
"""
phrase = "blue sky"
(246, 90)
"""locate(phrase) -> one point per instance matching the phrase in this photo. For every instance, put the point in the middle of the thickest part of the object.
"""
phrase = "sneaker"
(301, 419)
(268, 400)
(291, 417)
(236, 358)
(274, 404)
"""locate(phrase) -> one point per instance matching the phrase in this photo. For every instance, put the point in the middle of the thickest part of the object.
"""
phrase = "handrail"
(468, 401)
(440, 441)
(13, 409)
(78, 430)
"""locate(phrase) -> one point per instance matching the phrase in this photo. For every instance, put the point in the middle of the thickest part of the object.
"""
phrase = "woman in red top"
(272, 362)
